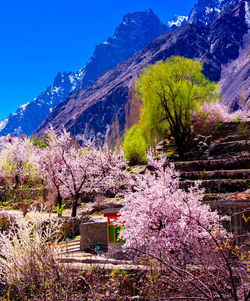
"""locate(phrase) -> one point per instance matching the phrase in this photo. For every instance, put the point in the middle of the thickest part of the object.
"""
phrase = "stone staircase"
(225, 167)
(224, 172)
(72, 257)
(69, 247)
(217, 176)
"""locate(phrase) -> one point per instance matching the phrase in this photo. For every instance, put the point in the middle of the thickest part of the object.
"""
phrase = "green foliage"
(243, 129)
(58, 208)
(40, 143)
(170, 91)
(135, 146)
(12, 197)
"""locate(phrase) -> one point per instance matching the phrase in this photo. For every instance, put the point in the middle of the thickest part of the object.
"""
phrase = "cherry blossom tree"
(181, 235)
(211, 114)
(17, 160)
(78, 172)
(49, 162)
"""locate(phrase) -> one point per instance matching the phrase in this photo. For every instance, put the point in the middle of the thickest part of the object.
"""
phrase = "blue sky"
(38, 38)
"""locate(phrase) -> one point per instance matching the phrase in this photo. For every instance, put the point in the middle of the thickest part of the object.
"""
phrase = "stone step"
(232, 138)
(231, 147)
(72, 242)
(106, 266)
(75, 241)
(219, 185)
(241, 199)
(83, 261)
(69, 246)
(232, 163)
(92, 259)
(231, 128)
(67, 251)
(216, 174)
(64, 252)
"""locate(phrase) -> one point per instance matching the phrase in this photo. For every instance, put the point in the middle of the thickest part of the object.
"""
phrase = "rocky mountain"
(98, 104)
(235, 80)
(235, 76)
(30, 115)
(206, 11)
(135, 32)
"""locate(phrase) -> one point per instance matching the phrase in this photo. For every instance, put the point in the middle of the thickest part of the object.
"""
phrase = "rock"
(201, 138)
(208, 140)
(162, 146)
(232, 147)
(119, 255)
(7, 220)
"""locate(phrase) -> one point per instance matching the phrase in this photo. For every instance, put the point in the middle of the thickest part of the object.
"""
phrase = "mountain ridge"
(120, 47)
(98, 104)
(136, 31)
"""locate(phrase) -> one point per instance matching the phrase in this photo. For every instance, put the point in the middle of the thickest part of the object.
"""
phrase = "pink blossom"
(166, 221)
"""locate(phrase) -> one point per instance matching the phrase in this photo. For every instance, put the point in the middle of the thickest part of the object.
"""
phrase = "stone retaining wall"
(93, 234)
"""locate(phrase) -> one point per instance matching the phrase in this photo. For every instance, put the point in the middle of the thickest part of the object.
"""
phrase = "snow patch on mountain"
(29, 115)
(177, 21)
(23, 107)
(247, 13)
(3, 123)
(206, 11)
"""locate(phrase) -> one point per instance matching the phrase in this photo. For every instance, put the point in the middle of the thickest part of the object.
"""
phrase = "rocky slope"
(135, 32)
(235, 76)
(99, 104)
(224, 174)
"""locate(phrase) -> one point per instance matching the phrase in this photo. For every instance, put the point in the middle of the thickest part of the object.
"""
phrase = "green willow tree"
(170, 91)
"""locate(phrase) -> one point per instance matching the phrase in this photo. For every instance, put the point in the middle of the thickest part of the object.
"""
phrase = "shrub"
(135, 146)
(28, 266)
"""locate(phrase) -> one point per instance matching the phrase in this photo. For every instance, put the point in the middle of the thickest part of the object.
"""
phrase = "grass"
(97, 213)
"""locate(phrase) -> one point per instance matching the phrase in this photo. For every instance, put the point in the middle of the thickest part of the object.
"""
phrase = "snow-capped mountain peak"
(29, 115)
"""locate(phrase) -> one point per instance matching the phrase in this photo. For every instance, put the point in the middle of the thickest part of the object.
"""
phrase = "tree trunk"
(181, 142)
(59, 200)
(17, 181)
(180, 146)
(74, 208)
